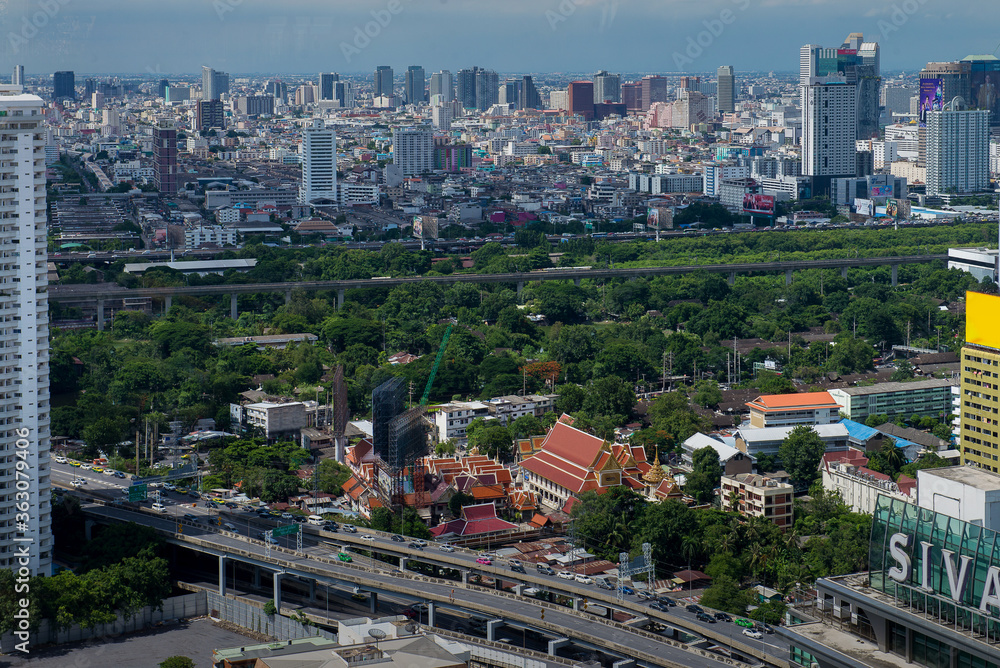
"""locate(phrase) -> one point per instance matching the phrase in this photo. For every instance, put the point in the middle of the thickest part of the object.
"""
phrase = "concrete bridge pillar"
(402, 564)
(431, 609)
(233, 313)
(843, 272)
(340, 298)
(732, 278)
(373, 602)
(788, 277)
(288, 296)
(256, 577)
(312, 591)
(88, 529)
(100, 315)
(576, 282)
(491, 629)
(167, 303)
(520, 287)
(895, 275)
(222, 575)
(555, 645)
(465, 577)
(277, 590)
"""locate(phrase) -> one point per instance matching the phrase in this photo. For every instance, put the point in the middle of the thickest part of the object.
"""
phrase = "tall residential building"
(958, 150)
(979, 434)
(607, 87)
(413, 150)
(858, 63)
(383, 82)
(18, 77)
(829, 129)
(727, 89)
(255, 105)
(319, 164)
(415, 84)
(955, 79)
(63, 85)
(581, 99)
(984, 85)
(344, 94)
(441, 84)
(654, 89)
(530, 99)
(442, 116)
(510, 92)
(214, 84)
(478, 88)
(210, 114)
(465, 87)
(25, 334)
(632, 96)
(278, 89)
(327, 88)
(165, 157)
(161, 88)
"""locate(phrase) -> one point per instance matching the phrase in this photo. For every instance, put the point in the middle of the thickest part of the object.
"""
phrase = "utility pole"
(663, 385)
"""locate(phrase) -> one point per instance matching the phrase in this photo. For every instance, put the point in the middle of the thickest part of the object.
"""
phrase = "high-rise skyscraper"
(441, 84)
(984, 85)
(530, 99)
(980, 365)
(958, 149)
(581, 99)
(343, 92)
(478, 88)
(858, 62)
(383, 82)
(63, 85)
(829, 129)
(510, 92)
(161, 88)
(413, 150)
(465, 85)
(279, 89)
(654, 89)
(632, 96)
(319, 164)
(18, 78)
(415, 84)
(727, 89)
(24, 439)
(326, 85)
(165, 157)
(214, 84)
(210, 114)
(607, 87)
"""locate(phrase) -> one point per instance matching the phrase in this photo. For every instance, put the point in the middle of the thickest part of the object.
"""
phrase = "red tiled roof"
(478, 519)
(803, 400)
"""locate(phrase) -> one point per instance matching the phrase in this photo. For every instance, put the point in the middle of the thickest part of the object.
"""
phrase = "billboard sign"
(881, 191)
(660, 218)
(762, 204)
(931, 97)
(865, 207)
(425, 227)
(982, 319)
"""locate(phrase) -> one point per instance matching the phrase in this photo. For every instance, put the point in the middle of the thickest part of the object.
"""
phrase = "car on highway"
(447, 547)
(170, 487)
(229, 526)
(628, 591)
(190, 518)
(565, 575)
(583, 579)
(396, 538)
(287, 516)
(368, 538)
(98, 469)
(531, 591)
(544, 569)
(343, 556)
(745, 623)
(85, 466)
(705, 617)
(751, 633)
(119, 474)
(763, 627)
(59, 459)
(73, 462)
(659, 605)
(349, 528)
(723, 617)
(414, 545)
(486, 561)
(694, 608)
(159, 508)
(516, 566)
(79, 482)
(110, 472)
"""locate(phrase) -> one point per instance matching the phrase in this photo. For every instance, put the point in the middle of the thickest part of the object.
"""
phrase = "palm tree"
(690, 546)
(727, 542)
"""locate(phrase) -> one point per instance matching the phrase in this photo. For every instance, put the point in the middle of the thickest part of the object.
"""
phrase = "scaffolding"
(407, 444)
(340, 414)
(387, 403)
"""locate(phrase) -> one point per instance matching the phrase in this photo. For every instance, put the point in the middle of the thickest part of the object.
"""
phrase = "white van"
(159, 508)
(315, 520)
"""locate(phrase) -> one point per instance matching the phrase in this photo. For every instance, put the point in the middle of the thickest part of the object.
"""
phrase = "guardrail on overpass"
(286, 561)
(99, 293)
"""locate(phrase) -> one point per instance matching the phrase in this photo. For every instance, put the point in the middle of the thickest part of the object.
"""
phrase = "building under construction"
(399, 441)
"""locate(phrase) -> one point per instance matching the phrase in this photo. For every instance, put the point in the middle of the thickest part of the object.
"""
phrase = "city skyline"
(568, 36)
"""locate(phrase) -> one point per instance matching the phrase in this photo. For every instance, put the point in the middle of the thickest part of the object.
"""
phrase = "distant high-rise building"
(210, 114)
(727, 89)
(530, 99)
(327, 81)
(214, 84)
(90, 87)
(413, 150)
(465, 84)
(607, 87)
(278, 89)
(984, 85)
(441, 84)
(632, 96)
(161, 88)
(63, 85)
(415, 84)
(581, 99)
(319, 164)
(559, 99)
(383, 82)
(97, 100)
(18, 78)
(896, 98)
(478, 88)
(510, 92)
(441, 116)
(25, 546)
(255, 105)
(958, 149)
(165, 157)
(654, 89)
(344, 94)
(829, 129)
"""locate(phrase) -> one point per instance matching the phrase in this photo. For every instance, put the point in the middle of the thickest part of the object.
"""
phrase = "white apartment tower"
(441, 84)
(26, 532)
(319, 164)
(829, 127)
(958, 150)
(413, 150)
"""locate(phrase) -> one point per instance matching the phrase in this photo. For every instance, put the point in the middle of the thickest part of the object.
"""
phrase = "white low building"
(452, 420)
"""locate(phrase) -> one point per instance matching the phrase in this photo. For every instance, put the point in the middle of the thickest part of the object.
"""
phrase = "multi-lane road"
(325, 545)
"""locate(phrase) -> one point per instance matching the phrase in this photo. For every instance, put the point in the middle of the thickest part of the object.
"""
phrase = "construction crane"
(434, 369)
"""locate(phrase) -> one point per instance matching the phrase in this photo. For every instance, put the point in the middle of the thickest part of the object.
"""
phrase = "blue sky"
(178, 36)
